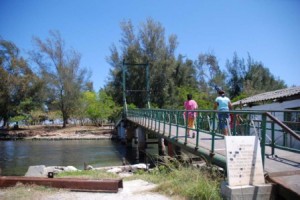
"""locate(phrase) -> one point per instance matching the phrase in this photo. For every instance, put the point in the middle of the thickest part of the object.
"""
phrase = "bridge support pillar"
(139, 141)
(130, 135)
(122, 132)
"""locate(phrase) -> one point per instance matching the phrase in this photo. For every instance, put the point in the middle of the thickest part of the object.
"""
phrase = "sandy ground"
(132, 190)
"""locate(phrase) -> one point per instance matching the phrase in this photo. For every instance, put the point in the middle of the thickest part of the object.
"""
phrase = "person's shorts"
(191, 122)
(223, 117)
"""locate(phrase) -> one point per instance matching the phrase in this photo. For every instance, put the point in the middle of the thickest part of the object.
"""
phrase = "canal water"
(17, 156)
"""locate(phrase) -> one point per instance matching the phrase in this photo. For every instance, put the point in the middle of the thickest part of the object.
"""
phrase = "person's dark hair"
(221, 92)
(189, 96)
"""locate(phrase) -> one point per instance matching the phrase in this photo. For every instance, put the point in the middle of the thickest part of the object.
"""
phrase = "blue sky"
(267, 29)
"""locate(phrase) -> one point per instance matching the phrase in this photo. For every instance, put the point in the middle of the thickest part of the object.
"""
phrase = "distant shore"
(52, 132)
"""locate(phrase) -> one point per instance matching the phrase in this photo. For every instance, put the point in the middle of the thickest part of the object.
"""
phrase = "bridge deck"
(282, 168)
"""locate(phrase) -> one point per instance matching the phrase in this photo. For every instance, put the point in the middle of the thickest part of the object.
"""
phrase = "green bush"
(175, 179)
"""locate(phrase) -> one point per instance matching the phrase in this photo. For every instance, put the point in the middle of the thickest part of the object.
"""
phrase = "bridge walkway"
(283, 168)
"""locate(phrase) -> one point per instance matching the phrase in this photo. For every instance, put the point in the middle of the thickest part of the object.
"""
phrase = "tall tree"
(209, 74)
(19, 86)
(259, 79)
(250, 78)
(61, 70)
(183, 79)
(184, 73)
(236, 73)
(148, 45)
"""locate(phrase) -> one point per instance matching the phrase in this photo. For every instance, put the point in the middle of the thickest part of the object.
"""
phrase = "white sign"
(243, 160)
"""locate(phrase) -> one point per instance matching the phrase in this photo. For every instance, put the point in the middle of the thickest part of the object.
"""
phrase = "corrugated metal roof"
(270, 95)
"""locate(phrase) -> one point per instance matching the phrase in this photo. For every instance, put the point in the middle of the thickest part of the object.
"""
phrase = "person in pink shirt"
(189, 106)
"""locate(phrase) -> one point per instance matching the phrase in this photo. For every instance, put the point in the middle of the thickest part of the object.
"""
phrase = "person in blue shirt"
(223, 103)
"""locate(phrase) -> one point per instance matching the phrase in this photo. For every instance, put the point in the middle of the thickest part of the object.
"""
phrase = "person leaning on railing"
(189, 105)
(223, 103)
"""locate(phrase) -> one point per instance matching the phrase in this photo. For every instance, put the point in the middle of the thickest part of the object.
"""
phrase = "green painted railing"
(271, 130)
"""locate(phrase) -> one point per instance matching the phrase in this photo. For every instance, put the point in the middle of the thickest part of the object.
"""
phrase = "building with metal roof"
(283, 104)
(288, 98)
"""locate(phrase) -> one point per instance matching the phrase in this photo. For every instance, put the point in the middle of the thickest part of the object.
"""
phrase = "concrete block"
(248, 192)
(243, 161)
(36, 171)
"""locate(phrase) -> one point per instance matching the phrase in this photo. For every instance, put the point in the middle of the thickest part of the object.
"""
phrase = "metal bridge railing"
(271, 127)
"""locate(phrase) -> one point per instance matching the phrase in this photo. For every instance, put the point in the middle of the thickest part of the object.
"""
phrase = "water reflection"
(17, 156)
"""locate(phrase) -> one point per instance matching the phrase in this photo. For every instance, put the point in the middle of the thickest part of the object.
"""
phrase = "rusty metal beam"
(102, 185)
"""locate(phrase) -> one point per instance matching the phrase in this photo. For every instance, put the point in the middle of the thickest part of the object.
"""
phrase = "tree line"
(173, 76)
(58, 88)
(53, 84)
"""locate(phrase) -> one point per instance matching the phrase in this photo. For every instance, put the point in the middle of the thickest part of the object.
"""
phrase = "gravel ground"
(132, 190)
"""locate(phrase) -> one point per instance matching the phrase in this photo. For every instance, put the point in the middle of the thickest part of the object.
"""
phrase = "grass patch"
(175, 179)
(190, 183)
(88, 174)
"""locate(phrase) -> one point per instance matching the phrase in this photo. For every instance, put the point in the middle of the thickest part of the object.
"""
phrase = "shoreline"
(112, 137)
(53, 139)
(58, 133)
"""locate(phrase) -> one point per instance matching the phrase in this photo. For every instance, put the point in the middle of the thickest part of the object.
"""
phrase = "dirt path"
(133, 190)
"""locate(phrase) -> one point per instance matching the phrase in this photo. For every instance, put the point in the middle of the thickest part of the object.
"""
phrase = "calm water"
(17, 156)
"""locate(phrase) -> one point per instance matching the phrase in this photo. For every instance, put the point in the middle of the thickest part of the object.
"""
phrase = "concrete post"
(161, 146)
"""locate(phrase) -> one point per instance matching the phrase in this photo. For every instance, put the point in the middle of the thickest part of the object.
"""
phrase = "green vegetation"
(89, 174)
(20, 87)
(189, 183)
(98, 107)
(183, 180)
